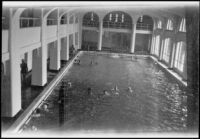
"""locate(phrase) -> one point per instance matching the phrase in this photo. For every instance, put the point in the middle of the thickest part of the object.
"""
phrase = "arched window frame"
(169, 24)
(182, 27)
(159, 24)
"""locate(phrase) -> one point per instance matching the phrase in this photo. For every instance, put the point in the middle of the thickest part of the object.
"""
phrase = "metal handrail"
(29, 22)
(110, 24)
(143, 26)
(51, 21)
(5, 23)
(89, 23)
(63, 21)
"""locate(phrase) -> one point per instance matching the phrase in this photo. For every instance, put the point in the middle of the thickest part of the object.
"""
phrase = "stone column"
(39, 63)
(13, 101)
(28, 58)
(74, 37)
(162, 43)
(67, 44)
(133, 38)
(54, 56)
(172, 56)
(152, 44)
(100, 35)
(55, 49)
(63, 51)
(80, 33)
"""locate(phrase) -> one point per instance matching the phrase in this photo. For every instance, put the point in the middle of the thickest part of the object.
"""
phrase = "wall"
(71, 37)
(4, 41)
(141, 42)
(116, 40)
(90, 36)
(33, 33)
(192, 34)
(63, 30)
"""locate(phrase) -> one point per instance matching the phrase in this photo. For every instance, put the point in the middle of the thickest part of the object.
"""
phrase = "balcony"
(5, 23)
(51, 22)
(29, 22)
(88, 23)
(143, 26)
(117, 25)
(63, 21)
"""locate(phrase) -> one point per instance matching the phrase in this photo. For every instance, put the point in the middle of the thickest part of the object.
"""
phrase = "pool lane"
(157, 103)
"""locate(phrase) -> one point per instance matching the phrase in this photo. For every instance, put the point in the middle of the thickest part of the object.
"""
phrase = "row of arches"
(32, 17)
(173, 54)
(120, 19)
(117, 19)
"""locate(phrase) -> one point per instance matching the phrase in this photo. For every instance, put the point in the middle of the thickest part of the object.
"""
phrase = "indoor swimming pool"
(129, 94)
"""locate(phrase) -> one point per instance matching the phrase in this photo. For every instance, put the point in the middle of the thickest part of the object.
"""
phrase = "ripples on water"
(157, 103)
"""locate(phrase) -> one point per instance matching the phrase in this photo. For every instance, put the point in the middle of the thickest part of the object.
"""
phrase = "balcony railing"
(118, 25)
(5, 23)
(143, 26)
(29, 22)
(63, 21)
(90, 23)
(51, 22)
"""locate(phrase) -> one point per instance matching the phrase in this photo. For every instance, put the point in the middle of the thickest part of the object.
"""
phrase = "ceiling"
(165, 8)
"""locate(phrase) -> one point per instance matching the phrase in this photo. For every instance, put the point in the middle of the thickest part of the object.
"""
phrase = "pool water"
(157, 103)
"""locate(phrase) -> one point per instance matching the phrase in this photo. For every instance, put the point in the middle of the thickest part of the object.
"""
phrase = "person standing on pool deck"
(24, 70)
(61, 102)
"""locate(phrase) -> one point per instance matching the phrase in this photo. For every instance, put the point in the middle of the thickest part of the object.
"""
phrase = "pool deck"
(15, 128)
(25, 116)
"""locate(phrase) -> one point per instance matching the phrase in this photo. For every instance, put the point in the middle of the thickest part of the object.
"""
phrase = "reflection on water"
(156, 102)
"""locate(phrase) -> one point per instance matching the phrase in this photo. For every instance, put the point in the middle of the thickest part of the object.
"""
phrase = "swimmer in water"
(115, 89)
(106, 93)
(130, 90)
(36, 113)
(69, 84)
(91, 63)
(45, 108)
(77, 61)
(89, 92)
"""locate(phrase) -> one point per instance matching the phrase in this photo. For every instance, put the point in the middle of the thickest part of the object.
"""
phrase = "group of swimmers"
(114, 90)
(78, 62)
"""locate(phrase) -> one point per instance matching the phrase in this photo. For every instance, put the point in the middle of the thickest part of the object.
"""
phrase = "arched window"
(167, 50)
(159, 24)
(157, 45)
(52, 19)
(182, 27)
(169, 24)
(180, 56)
(91, 19)
(110, 17)
(5, 18)
(71, 19)
(30, 18)
(144, 22)
(122, 18)
(117, 19)
(63, 20)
